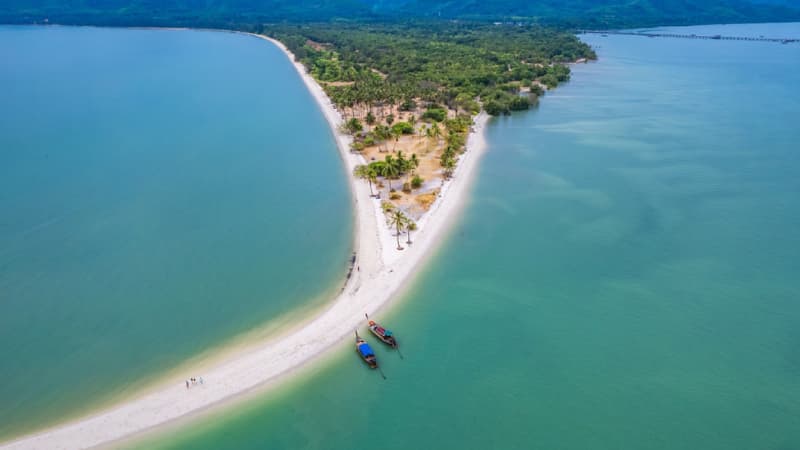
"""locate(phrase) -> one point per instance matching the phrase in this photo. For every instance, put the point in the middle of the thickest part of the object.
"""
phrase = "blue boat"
(365, 352)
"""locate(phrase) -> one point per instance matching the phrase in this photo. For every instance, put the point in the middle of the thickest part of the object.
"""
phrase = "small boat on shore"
(365, 352)
(381, 333)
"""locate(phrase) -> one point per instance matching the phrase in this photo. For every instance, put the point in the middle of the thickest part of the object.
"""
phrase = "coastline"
(383, 273)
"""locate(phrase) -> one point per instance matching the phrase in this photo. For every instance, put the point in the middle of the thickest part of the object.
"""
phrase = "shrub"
(403, 128)
(519, 104)
(407, 188)
(394, 196)
(354, 126)
(537, 89)
(495, 108)
(435, 114)
(416, 182)
(408, 105)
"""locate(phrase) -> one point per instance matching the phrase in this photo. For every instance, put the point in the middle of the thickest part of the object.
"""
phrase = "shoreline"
(383, 273)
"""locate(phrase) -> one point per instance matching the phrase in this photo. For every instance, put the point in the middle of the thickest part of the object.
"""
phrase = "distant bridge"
(693, 36)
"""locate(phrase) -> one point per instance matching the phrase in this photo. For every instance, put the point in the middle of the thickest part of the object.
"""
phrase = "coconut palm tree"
(383, 133)
(436, 131)
(402, 162)
(399, 220)
(449, 165)
(396, 136)
(410, 226)
(366, 172)
(372, 176)
(413, 162)
(389, 170)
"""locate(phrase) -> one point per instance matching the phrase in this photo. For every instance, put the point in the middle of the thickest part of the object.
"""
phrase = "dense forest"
(243, 13)
(413, 89)
(452, 64)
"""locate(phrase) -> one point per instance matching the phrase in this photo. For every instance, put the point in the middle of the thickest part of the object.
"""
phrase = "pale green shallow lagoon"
(625, 277)
(161, 192)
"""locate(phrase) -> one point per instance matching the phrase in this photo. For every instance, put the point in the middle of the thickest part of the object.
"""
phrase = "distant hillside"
(235, 13)
(611, 13)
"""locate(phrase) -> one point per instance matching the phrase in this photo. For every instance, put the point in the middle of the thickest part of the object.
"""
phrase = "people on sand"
(193, 381)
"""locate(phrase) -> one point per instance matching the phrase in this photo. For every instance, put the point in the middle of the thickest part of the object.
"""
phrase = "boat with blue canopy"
(365, 352)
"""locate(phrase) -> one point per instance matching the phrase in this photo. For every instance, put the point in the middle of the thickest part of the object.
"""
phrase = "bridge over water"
(692, 36)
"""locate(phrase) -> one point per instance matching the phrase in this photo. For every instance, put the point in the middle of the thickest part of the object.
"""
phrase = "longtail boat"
(381, 333)
(365, 352)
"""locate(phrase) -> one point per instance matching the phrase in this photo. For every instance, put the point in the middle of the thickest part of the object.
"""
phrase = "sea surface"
(625, 277)
(161, 192)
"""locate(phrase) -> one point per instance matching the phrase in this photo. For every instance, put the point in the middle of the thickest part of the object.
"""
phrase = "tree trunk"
(398, 237)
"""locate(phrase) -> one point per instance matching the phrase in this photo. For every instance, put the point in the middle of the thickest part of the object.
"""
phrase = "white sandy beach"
(383, 273)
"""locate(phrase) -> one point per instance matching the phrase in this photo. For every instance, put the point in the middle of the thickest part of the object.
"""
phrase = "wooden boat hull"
(365, 352)
(388, 340)
(382, 333)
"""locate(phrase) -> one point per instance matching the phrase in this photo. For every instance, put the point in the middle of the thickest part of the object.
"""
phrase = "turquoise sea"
(624, 277)
(161, 192)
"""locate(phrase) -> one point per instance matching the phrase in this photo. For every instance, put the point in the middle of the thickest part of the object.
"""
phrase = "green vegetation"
(391, 168)
(249, 14)
(434, 113)
(401, 222)
(448, 66)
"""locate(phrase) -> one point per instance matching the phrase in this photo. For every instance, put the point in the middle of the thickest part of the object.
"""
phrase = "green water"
(160, 193)
(625, 277)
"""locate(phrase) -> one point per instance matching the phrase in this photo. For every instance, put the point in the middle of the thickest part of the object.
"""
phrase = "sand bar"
(382, 273)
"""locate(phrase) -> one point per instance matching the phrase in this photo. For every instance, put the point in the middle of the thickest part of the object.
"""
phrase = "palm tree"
(389, 170)
(396, 136)
(382, 132)
(372, 176)
(436, 131)
(413, 162)
(399, 220)
(402, 162)
(410, 226)
(449, 164)
(365, 172)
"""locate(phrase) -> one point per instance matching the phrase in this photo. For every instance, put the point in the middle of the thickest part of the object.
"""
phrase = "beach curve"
(380, 273)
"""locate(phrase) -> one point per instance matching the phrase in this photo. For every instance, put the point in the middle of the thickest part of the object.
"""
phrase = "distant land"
(240, 14)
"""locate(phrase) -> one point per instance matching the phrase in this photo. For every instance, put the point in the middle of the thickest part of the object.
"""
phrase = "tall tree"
(399, 220)
(366, 172)
(410, 226)
(389, 170)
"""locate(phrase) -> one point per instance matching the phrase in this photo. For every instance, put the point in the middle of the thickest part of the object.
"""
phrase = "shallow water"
(624, 277)
(160, 193)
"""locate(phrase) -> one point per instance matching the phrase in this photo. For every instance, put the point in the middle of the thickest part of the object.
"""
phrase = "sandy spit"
(381, 273)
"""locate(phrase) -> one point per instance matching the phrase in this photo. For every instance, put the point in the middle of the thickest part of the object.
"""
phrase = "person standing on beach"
(187, 384)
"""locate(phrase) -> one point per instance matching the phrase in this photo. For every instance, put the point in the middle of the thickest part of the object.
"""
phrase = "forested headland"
(408, 92)
(454, 64)
(408, 76)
